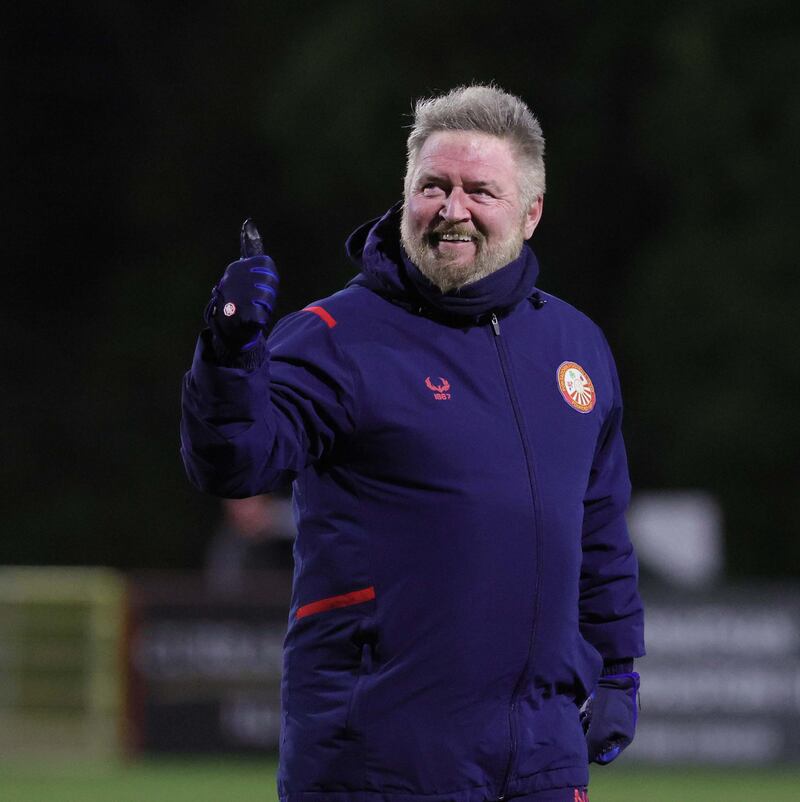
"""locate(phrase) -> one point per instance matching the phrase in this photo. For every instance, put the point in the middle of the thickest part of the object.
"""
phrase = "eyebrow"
(483, 185)
(425, 178)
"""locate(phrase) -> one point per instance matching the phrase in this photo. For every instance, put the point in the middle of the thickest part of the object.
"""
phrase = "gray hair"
(489, 110)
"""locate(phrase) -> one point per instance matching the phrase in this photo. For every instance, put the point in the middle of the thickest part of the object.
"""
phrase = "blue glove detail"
(609, 716)
(243, 301)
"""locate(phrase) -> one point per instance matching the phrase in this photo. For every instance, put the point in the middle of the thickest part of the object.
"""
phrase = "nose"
(454, 209)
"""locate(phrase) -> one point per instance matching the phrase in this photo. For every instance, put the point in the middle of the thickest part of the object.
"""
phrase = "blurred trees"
(136, 138)
(712, 303)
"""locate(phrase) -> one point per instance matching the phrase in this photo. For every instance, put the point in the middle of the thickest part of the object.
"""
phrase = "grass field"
(252, 781)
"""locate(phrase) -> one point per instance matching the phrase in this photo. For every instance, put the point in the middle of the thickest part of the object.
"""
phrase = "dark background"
(136, 137)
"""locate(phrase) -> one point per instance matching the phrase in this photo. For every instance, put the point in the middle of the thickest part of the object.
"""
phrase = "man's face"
(463, 217)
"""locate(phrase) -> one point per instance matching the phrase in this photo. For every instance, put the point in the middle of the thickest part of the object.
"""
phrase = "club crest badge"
(441, 391)
(576, 387)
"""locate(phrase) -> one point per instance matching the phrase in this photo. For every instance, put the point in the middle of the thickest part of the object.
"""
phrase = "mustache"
(458, 230)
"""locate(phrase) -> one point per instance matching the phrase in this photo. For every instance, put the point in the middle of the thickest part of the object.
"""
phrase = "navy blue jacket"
(462, 564)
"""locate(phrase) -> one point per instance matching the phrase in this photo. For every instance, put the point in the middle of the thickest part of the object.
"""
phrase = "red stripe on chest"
(318, 310)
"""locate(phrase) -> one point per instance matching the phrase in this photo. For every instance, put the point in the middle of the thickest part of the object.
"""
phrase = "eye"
(431, 190)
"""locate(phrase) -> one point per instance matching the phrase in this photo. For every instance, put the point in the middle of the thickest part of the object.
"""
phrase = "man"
(464, 580)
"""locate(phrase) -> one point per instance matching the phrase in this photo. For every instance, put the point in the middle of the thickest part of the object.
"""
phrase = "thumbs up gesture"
(243, 300)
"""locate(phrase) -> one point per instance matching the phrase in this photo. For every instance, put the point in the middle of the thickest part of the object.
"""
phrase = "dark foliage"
(136, 137)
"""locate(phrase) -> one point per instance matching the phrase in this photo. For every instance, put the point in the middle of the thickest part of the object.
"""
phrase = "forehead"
(472, 154)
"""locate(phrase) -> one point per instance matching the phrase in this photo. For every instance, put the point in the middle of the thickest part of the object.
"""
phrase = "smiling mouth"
(455, 238)
(451, 238)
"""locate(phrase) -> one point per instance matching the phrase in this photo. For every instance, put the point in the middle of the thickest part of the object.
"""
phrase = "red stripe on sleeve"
(318, 310)
(332, 602)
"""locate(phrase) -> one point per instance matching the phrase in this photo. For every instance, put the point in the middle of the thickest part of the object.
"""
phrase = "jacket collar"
(386, 269)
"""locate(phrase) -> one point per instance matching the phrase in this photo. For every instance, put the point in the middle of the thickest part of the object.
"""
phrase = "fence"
(90, 661)
(61, 660)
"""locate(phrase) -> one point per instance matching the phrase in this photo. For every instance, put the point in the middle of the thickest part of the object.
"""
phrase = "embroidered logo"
(441, 391)
(576, 387)
(229, 309)
(580, 796)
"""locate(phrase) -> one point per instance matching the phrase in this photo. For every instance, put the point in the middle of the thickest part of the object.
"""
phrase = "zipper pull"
(495, 324)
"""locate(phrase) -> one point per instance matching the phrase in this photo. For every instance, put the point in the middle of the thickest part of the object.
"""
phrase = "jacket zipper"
(512, 711)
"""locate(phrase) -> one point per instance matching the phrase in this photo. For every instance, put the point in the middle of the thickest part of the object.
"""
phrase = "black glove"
(243, 301)
(609, 716)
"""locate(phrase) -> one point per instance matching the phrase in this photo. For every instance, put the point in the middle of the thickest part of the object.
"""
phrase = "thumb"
(250, 240)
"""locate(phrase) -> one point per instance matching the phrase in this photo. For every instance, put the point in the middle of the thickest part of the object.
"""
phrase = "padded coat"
(462, 565)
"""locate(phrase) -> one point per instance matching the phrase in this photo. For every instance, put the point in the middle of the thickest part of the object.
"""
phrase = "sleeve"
(611, 614)
(249, 431)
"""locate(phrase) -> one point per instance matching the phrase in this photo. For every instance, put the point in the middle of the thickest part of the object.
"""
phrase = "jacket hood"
(386, 269)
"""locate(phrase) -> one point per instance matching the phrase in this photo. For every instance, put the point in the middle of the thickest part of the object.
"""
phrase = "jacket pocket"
(354, 703)
(588, 670)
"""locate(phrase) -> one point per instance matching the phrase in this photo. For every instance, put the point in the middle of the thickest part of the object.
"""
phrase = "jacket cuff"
(611, 667)
(246, 360)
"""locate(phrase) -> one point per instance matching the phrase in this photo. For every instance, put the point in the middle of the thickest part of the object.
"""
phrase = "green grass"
(254, 781)
(622, 784)
(142, 781)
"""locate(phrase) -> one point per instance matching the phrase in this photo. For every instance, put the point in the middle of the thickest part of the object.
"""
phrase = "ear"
(533, 216)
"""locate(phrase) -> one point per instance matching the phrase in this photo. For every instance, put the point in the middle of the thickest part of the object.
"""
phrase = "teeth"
(456, 238)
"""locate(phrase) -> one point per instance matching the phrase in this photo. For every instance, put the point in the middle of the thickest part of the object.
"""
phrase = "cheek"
(493, 225)
(503, 226)
(420, 213)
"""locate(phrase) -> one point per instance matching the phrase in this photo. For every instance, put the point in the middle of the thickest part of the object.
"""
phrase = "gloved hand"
(243, 301)
(609, 716)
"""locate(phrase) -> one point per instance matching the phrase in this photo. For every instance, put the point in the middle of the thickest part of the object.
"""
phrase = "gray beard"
(447, 275)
